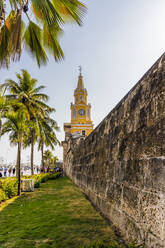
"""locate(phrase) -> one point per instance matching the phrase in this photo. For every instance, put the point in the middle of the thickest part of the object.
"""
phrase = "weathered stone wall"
(121, 164)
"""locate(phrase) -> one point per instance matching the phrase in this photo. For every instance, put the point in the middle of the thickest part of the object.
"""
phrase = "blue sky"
(118, 43)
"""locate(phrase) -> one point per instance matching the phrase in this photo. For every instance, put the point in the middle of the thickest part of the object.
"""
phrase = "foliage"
(8, 188)
(27, 96)
(3, 196)
(54, 175)
(49, 159)
(41, 31)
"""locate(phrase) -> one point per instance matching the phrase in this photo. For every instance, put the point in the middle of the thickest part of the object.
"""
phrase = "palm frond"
(36, 90)
(32, 38)
(14, 23)
(70, 10)
(47, 12)
(41, 97)
(5, 47)
(50, 41)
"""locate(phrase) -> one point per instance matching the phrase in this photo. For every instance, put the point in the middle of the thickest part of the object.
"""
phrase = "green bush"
(3, 197)
(9, 186)
(37, 184)
(44, 178)
(55, 175)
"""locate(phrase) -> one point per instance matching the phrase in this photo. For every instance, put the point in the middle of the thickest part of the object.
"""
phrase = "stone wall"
(121, 164)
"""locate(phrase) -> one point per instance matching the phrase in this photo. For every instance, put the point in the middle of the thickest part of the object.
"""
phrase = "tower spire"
(80, 84)
(80, 69)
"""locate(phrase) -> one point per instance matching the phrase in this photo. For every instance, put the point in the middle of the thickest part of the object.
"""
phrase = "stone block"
(27, 185)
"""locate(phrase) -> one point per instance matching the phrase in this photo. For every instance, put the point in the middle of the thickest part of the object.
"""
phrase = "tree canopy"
(35, 25)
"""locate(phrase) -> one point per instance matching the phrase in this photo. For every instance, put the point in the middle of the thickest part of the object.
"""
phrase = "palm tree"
(26, 92)
(15, 124)
(4, 107)
(30, 139)
(47, 136)
(48, 158)
(45, 20)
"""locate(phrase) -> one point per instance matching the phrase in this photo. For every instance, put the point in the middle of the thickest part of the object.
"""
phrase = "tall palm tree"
(27, 93)
(30, 139)
(47, 136)
(15, 124)
(4, 107)
(44, 23)
(48, 158)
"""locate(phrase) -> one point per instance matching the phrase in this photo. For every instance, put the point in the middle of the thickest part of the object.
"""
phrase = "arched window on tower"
(74, 113)
(81, 98)
(76, 99)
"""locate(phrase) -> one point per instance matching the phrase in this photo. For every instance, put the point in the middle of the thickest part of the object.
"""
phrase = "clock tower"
(80, 111)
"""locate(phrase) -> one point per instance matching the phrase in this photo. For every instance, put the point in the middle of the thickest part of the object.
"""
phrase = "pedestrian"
(13, 171)
(0, 174)
(9, 171)
(5, 172)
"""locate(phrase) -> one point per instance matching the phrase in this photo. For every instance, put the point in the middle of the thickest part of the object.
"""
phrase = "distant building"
(81, 123)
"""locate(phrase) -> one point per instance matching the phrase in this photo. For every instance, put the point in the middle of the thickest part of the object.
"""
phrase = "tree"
(42, 29)
(4, 107)
(26, 92)
(15, 124)
(30, 139)
(48, 158)
(47, 136)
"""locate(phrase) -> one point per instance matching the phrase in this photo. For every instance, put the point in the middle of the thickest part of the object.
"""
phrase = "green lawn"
(55, 215)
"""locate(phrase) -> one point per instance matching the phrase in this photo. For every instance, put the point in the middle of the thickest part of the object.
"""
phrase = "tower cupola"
(80, 110)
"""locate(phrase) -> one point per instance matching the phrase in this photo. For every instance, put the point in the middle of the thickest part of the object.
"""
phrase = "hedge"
(9, 186)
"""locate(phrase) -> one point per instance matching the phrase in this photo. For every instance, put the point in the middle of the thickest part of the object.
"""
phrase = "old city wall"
(120, 166)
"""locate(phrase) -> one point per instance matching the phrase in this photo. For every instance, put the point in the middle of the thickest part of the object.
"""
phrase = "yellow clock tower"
(80, 111)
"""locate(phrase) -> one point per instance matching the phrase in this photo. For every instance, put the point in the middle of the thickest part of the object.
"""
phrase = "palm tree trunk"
(42, 156)
(32, 153)
(19, 168)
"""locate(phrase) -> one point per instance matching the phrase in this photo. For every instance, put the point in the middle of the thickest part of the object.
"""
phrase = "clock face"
(81, 112)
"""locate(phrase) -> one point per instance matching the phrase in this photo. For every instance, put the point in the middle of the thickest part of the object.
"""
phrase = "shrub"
(9, 186)
(37, 184)
(3, 197)
(44, 178)
(55, 175)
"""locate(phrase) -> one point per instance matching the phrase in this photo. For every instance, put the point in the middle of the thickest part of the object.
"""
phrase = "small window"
(81, 98)
(76, 99)
(83, 132)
